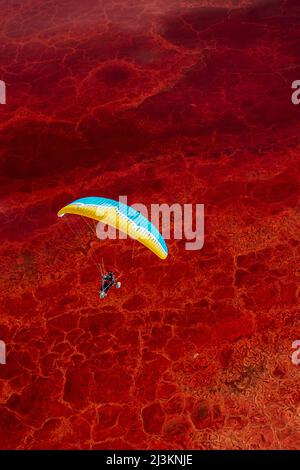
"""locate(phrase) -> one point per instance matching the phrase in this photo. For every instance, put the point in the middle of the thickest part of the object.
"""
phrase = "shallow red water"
(163, 101)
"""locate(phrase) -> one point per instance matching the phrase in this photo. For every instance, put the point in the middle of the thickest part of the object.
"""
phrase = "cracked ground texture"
(163, 101)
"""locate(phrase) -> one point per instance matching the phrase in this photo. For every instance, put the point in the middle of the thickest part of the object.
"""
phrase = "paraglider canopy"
(123, 217)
